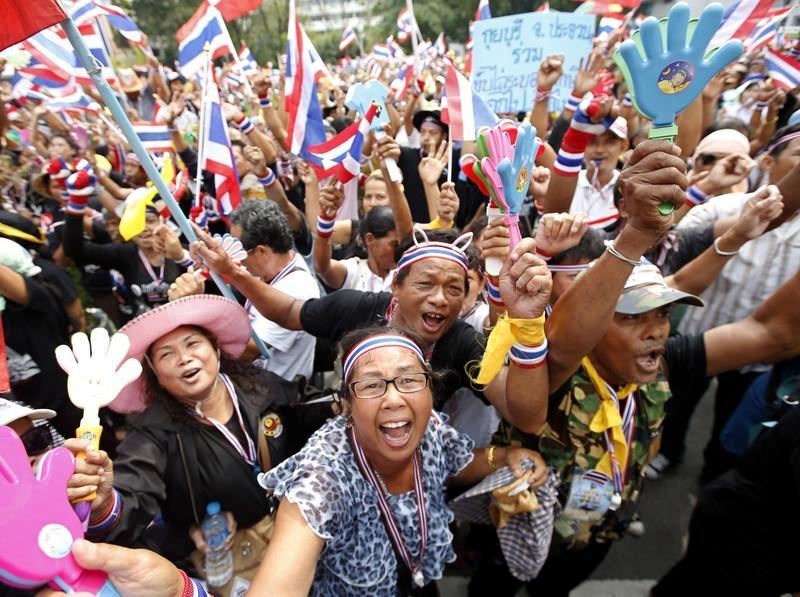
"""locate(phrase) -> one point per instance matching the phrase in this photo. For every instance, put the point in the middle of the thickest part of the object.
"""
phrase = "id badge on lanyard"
(591, 495)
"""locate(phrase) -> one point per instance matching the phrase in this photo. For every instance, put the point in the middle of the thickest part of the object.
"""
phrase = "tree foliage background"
(264, 29)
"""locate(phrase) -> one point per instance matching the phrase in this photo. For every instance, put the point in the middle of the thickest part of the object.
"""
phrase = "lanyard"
(390, 522)
(149, 267)
(628, 417)
(250, 455)
(287, 269)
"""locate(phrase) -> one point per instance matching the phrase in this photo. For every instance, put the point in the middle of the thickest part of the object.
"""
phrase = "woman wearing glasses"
(362, 507)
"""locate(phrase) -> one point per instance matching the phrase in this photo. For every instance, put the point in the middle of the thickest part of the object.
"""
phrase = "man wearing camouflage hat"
(611, 364)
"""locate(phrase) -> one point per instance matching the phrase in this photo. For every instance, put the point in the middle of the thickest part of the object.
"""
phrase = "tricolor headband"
(429, 249)
(431, 122)
(379, 341)
(782, 140)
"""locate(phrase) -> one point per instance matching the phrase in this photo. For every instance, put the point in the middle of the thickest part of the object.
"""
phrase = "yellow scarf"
(608, 417)
(506, 332)
(12, 232)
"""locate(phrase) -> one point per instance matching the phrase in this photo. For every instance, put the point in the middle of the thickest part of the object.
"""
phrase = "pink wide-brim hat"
(224, 318)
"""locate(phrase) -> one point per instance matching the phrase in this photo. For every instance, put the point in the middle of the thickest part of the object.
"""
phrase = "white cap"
(619, 127)
(11, 411)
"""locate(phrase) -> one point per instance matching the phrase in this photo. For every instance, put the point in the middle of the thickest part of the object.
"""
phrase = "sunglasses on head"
(36, 440)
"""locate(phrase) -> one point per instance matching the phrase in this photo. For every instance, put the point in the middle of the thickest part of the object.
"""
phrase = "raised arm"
(697, 275)
(280, 308)
(387, 147)
(654, 174)
(330, 270)
(789, 187)
(273, 187)
(550, 71)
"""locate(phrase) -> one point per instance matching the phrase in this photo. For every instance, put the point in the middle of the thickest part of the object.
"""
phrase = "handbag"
(249, 545)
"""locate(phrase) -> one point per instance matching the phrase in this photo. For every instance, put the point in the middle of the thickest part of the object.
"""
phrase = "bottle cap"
(212, 508)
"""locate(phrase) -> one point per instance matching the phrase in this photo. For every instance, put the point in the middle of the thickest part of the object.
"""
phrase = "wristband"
(542, 95)
(109, 519)
(761, 105)
(581, 130)
(695, 196)
(573, 102)
(627, 102)
(191, 587)
(268, 179)
(245, 125)
(493, 292)
(543, 255)
(507, 332)
(186, 261)
(264, 101)
(528, 357)
(325, 225)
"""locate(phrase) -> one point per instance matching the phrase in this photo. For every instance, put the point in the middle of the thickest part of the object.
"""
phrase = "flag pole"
(414, 42)
(237, 61)
(147, 162)
(203, 117)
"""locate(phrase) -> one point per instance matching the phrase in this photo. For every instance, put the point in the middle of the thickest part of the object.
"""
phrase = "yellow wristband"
(508, 331)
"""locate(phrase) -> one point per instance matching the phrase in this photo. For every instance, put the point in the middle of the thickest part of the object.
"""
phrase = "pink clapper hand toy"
(38, 524)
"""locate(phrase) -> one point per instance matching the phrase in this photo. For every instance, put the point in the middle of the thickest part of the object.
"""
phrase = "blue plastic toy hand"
(516, 174)
(362, 95)
(666, 64)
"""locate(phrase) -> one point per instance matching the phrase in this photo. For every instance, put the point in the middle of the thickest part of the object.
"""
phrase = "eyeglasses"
(36, 440)
(706, 159)
(375, 388)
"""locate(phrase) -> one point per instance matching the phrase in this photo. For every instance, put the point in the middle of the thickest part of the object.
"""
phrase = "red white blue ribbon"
(249, 455)
(392, 528)
(150, 269)
(628, 417)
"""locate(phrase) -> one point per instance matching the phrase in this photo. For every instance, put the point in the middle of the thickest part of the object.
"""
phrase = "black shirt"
(457, 353)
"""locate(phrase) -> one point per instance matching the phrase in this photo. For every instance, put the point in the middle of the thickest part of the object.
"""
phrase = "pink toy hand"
(37, 523)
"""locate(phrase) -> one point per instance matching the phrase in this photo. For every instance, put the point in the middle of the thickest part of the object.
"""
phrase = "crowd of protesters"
(349, 446)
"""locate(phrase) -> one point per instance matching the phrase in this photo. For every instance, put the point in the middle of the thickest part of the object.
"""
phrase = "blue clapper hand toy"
(667, 63)
(359, 98)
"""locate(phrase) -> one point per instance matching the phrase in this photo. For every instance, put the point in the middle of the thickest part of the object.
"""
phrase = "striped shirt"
(750, 277)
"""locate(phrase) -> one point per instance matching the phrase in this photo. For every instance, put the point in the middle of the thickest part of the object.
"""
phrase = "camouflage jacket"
(565, 442)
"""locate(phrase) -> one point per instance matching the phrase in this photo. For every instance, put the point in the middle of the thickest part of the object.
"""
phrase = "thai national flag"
(395, 48)
(381, 52)
(785, 71)
(305, 127)
(466, 110)
(97, 48)
(406, 25)
(739, 20)
(48, 48)
(76, 103)
(608, 25)
(41, 75)
(767, 29)
(210, 30)
(23, 19)
(154, 136)
(440, 45)
(84, 11)
(483, 11)
(247, 61)
(341, 156)
(348, 37)
(217, 156)
(404, 79)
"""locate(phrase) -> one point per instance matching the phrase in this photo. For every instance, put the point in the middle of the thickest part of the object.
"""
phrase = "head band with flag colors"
(782, 140)
(341, 155)
(784, 70)
(379, 341)
(210, 30)
(428, 249)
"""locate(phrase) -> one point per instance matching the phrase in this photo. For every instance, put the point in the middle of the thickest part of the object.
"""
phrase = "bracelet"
(542, 95)
(493, 292)
(490, 458)
(264, 101)
(528, 357)
(325, 226)
(268, 179)
(761, 105)
(695, 196)
(245, 125)
(722, 253)
(109, 518)
(613, 251)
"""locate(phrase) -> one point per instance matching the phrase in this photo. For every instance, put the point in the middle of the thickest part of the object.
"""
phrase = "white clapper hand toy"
(95, 376)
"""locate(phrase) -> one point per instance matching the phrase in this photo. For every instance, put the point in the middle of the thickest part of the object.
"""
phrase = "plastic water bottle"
(219, 559)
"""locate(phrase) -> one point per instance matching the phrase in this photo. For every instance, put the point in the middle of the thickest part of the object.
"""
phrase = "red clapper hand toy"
(38, 524)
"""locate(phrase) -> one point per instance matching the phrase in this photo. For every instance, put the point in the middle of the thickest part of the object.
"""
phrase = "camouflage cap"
(645, 290)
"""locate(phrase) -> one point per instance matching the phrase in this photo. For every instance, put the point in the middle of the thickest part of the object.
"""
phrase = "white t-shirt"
(291, 351)
(597, 204)
(360, 277)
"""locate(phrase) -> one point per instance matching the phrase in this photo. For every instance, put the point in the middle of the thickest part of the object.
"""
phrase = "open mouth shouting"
(648, 362)
(433, 322)
(191, 375)
(396, 434)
